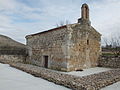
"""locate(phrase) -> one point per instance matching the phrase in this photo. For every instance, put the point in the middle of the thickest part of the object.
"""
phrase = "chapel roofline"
(50, 30)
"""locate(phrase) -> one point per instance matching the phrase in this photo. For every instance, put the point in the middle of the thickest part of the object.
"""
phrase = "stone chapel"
(66, 48)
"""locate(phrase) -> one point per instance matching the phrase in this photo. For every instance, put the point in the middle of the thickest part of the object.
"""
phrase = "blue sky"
(23, 17)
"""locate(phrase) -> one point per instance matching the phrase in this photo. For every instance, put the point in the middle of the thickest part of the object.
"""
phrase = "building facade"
(66, 48)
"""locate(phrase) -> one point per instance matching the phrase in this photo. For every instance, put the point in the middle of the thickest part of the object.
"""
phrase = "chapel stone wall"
(51, 44)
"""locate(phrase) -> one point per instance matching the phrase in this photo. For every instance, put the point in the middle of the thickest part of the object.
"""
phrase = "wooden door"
(46, 61)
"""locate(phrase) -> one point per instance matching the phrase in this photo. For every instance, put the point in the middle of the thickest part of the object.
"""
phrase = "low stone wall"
(109, 61)
(13, 50)
(13, 58)
(91, 82)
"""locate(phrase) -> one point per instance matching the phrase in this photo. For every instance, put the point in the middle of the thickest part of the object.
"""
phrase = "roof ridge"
(47, 31)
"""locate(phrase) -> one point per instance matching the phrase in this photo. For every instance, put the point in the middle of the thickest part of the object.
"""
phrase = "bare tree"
(62, 23)
(106, 41)
(113, 45)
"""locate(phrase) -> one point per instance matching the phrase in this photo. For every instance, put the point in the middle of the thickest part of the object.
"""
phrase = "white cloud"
(11, 10)
(105, 17)
(7, 4)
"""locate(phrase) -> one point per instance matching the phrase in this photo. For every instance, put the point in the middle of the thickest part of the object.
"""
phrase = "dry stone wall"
(13, 53)
(13, 58)
(109, 61)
